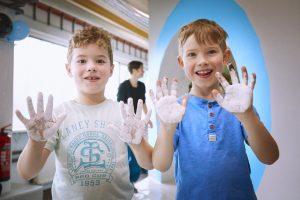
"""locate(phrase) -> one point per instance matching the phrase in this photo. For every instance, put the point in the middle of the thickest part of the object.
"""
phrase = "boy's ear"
(180, 62)
(68, 68)
(226, 56)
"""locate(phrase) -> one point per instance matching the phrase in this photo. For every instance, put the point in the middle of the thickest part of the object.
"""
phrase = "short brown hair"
(205, 31)
(135, 64)
(90, 35)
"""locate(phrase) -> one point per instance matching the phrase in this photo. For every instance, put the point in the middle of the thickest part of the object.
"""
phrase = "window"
(39, 66)
(119, 75)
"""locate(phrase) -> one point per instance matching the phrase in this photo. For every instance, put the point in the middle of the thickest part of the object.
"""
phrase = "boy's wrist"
(37, 143)
(248, 114)
(136, 146)
(168, 127)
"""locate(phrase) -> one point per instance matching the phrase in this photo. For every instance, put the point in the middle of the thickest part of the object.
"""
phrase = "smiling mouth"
(92, 78)
(204, 73)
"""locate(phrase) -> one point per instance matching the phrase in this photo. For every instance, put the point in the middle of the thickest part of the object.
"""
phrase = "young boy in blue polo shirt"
(207, 130)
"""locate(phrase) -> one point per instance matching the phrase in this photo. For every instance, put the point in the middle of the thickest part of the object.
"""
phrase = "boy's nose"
(202, 61)
(91, 67)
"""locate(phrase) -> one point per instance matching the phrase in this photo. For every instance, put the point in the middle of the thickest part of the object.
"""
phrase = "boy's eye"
(100, 61)
(191, 54)
(212, 51)
(81, 61)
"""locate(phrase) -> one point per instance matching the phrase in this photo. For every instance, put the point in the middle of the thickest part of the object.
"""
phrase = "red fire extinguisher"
(5, 145)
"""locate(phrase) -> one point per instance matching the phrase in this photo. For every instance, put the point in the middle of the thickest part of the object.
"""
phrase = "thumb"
(52, 130)
(217, 96)
(151, 93)
(184, 100)
(114, 127)
(60, 119)
(21, 117)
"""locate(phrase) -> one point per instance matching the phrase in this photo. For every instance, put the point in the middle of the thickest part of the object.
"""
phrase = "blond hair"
(205, 32)
(90, 35)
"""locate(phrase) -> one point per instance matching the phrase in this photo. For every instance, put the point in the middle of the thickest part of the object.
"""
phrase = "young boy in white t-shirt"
(91, 159)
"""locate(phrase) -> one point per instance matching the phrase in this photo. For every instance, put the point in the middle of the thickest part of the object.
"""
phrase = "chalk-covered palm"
(41, 125)
(166, 105)
(238, 97)
(133, 128)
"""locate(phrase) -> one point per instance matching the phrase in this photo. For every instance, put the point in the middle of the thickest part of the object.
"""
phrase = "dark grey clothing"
(126, 90)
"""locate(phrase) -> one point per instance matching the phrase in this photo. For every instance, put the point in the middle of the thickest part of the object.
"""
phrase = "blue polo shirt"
(210, 155)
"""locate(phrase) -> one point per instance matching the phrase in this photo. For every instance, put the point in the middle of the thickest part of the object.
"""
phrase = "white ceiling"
(142, 5)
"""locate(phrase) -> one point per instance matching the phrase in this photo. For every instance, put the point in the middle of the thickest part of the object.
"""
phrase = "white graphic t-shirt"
(91, 161)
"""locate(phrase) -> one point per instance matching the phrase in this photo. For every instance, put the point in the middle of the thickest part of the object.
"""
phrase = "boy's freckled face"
(90, 68)
(200, 62)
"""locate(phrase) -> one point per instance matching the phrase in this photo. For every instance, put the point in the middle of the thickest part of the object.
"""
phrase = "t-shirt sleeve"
(121, 96)
(143, 89)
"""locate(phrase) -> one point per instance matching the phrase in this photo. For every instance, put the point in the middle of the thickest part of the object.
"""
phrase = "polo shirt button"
(211, 126)
(209, 105)
(211, 114)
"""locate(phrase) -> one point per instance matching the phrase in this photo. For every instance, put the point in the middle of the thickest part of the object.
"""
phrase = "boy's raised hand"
(167, 108)
(238, 96)
(133, 128)
(40, 126)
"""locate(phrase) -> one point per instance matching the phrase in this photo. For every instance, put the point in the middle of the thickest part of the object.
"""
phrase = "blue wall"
(243, 43)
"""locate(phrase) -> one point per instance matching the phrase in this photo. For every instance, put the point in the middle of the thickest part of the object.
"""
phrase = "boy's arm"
(133, 131)
(143, 153)
(32, 159)
(238, 100)
(259, 138)
(145, 109)
(169, 113)
(40, 126)
(162, 155)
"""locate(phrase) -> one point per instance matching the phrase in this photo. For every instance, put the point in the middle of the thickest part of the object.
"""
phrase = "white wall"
(277, 25)
(6, 82)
